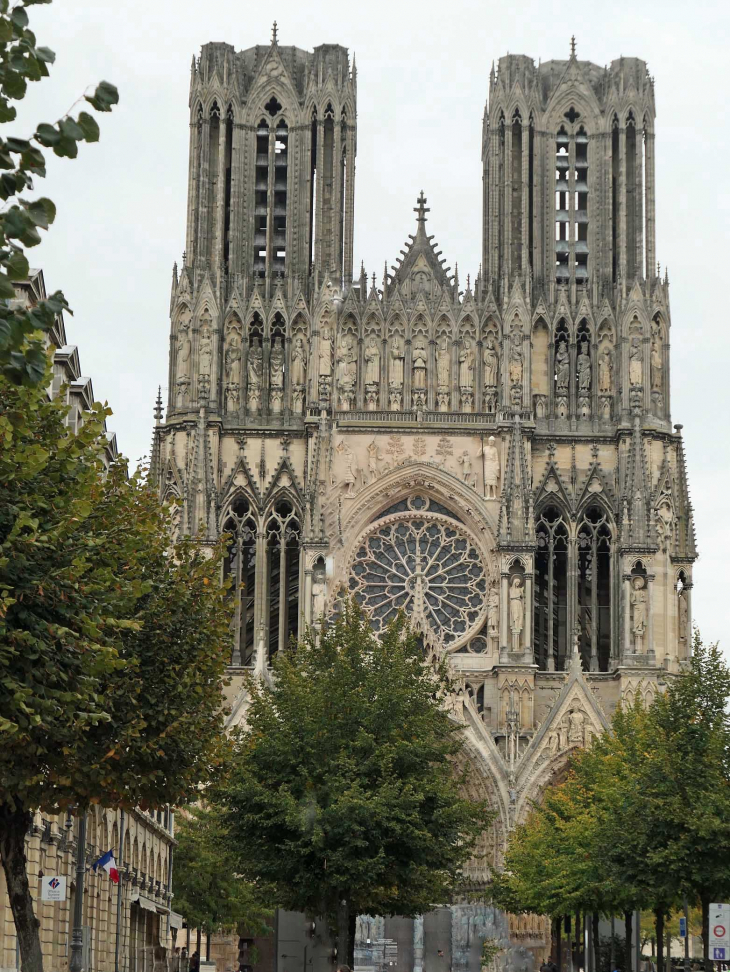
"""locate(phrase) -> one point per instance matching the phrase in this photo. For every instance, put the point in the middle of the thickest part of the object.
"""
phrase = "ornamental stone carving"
(372, 362)
(466, 365)
(516, 612)
(426, 565)
(491, 363)
(636, 365)
(639, 612)
(443, 364)
(491, 468)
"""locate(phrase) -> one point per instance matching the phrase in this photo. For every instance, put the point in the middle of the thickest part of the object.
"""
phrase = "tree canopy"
(343, 792)
(643, 817)
(113, 644)
(22, 160)
(209, 893)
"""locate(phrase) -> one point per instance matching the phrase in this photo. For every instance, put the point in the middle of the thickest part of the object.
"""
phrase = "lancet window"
(283, 535)
(595, 581)
(263, 570)
(261, 215)
(239, 567)
(562, 206)
(551, 590)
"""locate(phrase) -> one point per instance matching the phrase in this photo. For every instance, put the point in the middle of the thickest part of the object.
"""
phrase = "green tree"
(112, 646)
(209, 893)
(22, 60)
(343, 793)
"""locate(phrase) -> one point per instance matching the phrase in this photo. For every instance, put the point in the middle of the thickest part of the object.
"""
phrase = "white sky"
(422, 83)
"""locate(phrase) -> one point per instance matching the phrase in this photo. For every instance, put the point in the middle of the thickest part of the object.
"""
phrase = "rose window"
(427, 566)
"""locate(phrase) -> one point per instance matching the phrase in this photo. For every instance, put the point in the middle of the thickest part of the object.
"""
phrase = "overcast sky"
(422, 83)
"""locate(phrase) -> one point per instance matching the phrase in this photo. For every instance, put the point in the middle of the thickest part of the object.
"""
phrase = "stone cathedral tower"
(497, 459)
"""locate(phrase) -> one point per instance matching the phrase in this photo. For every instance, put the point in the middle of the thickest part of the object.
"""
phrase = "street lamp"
(77, 937)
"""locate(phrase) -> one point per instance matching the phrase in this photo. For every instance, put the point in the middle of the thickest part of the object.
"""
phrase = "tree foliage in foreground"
(209, 892)
(112, 647)
(343, 794)
(22, 160)
(644, 815)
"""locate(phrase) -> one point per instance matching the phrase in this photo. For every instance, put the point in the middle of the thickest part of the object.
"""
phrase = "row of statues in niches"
(443, 375)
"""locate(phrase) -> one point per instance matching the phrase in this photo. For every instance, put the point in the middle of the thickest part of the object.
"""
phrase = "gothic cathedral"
(496, 459)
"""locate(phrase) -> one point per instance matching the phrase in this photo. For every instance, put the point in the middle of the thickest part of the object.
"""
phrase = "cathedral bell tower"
(272, 166)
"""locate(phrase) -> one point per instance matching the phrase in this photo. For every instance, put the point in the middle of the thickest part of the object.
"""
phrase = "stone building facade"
(495, 457)
(145, 861)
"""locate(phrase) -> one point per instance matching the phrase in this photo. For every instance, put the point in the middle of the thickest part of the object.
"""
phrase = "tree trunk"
(343, 931)
(705, 929)
(13, 828)
(659, 925)
(628, 921)
(351, 941)
(207, 946)
(612, 947)
(198, 941)
(596, 944)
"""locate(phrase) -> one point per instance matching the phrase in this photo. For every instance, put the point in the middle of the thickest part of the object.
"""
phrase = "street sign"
(682, 927)
(719, 931)
(53, 888)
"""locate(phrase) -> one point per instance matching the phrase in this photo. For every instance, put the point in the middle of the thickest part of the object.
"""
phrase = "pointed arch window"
(615, 188)
(283, 536)
(551, 590)
(516, 193)
(280, 176)
(631, 196)
(261, 189)
(228, 178)
(239, 566)
(595, 580)
(562, 206)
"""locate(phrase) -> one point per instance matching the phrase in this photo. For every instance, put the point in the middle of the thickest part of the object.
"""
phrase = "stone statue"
(493, 617)
(516, 611)
(515, 364)
(491, 363)
(443, 363)
(466, 365)
(372, 361)
(232, 361)
(350, 475)
(342, 359)
(562, 366)
(466, 473)
(325, 352)
(583, 367)
(639, 608)
(374, 457)
(576, 721)
(491, 468)
(656, 367)
(636, 365)
(419, 365)
(255, 371)
(396, 363)
(276, 364)
(299, 362)
(318, 598)
(683, 619)
(205, 354)
(605, 370)
(183, 352)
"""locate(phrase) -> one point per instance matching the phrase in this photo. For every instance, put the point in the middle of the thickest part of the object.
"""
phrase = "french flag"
(109, 864)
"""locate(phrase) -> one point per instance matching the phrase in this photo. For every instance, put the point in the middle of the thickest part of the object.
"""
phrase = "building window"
(283, 535)
(239, 566)
(551, 591)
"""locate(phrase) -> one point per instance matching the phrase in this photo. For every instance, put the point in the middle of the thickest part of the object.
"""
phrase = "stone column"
(529, 618)
(627, 617)
(503, 617)
(650, 614)
(418, 943)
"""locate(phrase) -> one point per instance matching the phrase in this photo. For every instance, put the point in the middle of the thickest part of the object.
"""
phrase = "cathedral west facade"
(495, 457)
